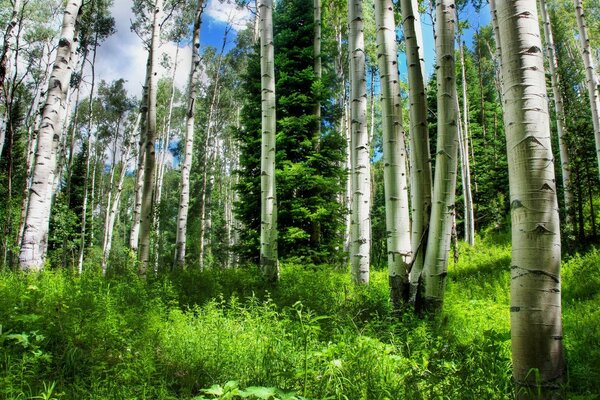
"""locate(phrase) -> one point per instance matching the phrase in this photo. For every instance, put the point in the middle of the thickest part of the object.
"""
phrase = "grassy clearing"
(315, 335)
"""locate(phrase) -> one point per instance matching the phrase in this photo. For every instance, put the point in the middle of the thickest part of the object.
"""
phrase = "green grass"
(191, 334)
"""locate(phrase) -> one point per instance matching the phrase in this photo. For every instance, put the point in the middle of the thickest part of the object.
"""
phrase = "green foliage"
(220, 334)
(309, 174)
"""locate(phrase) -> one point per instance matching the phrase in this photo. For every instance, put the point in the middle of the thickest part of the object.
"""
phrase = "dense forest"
(319, 212)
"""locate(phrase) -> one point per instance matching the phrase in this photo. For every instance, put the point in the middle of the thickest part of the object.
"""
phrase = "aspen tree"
(535, 309)
(560, 114)
(360, 232)
(591, 79)
(394, 156)
(420, 176)
(35, 234)
(442, 211)
(5, 58)
(149, 165)
(193, 81)
(268, 209)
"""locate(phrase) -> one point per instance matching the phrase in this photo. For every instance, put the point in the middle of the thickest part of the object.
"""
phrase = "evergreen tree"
(309, 173)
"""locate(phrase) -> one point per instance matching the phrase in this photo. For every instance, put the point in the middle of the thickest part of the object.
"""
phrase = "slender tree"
(536, 328)
(394, 156)
(442, 212)
(360, 232)
(591, 79)
(420, 176)
(268, 210)
(184, 199)
(565, 165)
(146, 213)
(35, 234)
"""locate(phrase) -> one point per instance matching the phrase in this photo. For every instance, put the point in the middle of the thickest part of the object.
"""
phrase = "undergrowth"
(225, 334)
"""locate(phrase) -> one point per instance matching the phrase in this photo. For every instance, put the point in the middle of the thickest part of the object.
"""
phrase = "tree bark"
(360, 232)
(394, 157)
(565, 164)
(591, 79)
(268, 210)
(469, 214)
(184, 199)
(35, 234)
(420, 176)
(149, 165)
(440, 231)
(535, 309)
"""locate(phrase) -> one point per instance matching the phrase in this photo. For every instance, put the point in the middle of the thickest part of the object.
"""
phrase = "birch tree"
(268, 209)
(394, 156)
(591, 79)
(536, 328)
(420, 176)
(360, 232)
(35, 234)
(146, 214)
(193, 82)
(560, 114)
(442, 212)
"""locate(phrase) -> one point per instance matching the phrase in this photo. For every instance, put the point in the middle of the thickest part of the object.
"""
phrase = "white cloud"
(227, 11)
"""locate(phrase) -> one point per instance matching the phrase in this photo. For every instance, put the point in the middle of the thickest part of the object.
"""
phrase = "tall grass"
(315, 335)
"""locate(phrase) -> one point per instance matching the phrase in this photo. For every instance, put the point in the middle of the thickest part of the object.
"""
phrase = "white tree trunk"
(565, 164)
(440, 229)
(317, 61)
(590, 74)
(113, 203)
(149, 166)
(360, 232)
(5, 61)
(536, 328)
(268, 210)
(420, 171)
(35, 234)
(469, 216)
(397, 218)
(184, 199)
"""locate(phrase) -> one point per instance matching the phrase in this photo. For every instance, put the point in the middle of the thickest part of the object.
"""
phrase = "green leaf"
(215, 390)
(260, 392)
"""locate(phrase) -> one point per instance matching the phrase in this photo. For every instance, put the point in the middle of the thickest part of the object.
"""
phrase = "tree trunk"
(565, 164)
(268, 210)
(5, 58)
(111, 212)
(420, 171)
(536, 328)
(35, 234)
(184, 199)
(394, 156)
(134, 236)
(464, 144)
(590, 74)
(146, 213)
(440, 230)
(360, 232)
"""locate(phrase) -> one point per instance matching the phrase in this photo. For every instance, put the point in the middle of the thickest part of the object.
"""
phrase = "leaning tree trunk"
(397, 218)
(360, 232)
(535, 309)
(149, 166)
(565, 164)
(35, 234)
(134, 235)
(268, 209)
(590, 74)
(420, 172)
(111, 212)
(184, 199)
(440, 230)
(5, 58)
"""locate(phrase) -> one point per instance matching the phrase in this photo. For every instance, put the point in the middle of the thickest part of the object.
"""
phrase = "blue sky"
(123, 56)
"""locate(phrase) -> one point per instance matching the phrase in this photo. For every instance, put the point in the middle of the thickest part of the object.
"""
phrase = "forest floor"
(225, 334)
